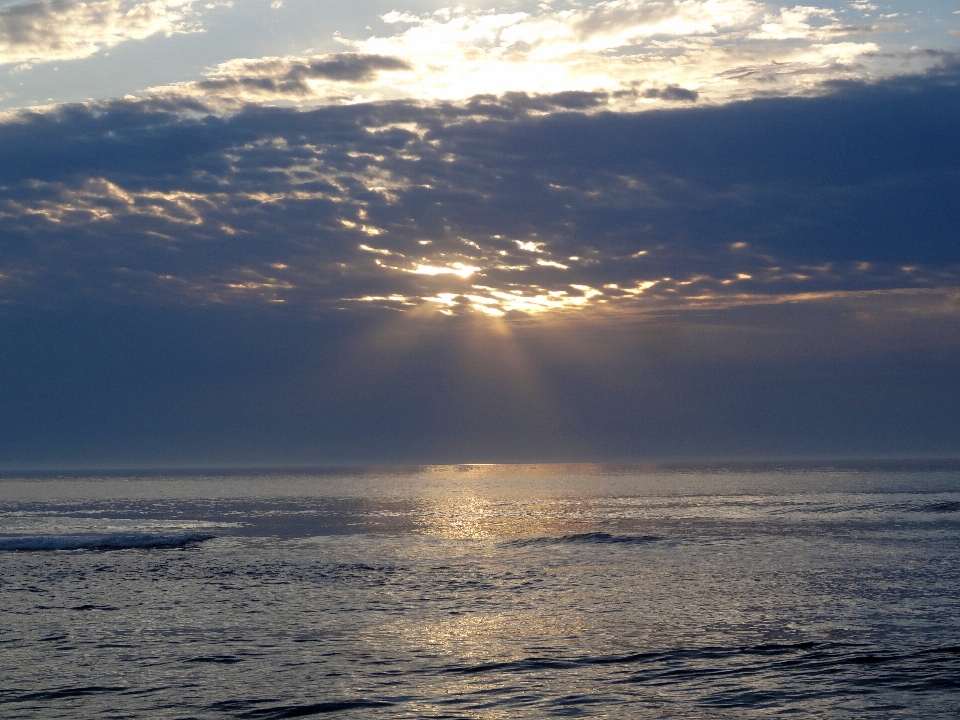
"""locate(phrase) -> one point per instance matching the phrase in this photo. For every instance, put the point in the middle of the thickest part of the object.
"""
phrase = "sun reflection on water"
(491, 501)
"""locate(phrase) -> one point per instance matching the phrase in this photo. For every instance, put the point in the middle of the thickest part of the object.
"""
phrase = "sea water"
(483, 592)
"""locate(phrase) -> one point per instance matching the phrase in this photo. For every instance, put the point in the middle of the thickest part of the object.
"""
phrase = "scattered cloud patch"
(800, 22)
(57, 30)
(672, 93)
(288, 78)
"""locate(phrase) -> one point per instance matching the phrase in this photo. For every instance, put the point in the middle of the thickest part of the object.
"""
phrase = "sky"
(298, 232)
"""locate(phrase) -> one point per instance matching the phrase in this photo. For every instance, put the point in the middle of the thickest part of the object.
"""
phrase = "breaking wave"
(101, 541)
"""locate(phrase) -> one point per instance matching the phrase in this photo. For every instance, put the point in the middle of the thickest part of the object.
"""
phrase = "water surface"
(484, 592)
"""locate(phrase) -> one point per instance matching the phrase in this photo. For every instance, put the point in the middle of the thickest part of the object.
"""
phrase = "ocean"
(484, 591)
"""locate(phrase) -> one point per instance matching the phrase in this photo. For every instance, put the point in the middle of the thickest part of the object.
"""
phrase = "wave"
(936, 664)
(320, 708)
(943, 507)
(65, 693)
(101, 541)
(592, 538)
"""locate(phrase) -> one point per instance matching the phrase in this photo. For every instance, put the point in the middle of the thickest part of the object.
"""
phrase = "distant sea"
(484, 591)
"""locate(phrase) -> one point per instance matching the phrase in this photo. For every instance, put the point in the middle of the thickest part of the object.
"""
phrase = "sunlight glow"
(533, 247)
(379, 251)
(533, 290)
(456, 268)
(553, 263)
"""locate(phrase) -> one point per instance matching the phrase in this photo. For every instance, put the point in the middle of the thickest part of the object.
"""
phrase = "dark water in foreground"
(483, 592)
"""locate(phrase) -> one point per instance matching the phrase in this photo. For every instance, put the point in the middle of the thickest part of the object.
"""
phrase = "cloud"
(56, 30)
(801, 22)
(672, 92)
(511, 207)
(627, 50)
(288, 78)
(627, 44)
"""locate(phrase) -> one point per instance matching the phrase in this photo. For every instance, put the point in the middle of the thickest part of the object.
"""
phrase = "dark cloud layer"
(283, 76)
(812, 308)
(105, 197)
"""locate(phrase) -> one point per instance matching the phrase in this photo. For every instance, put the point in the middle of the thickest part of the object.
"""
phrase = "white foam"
(100, 541)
